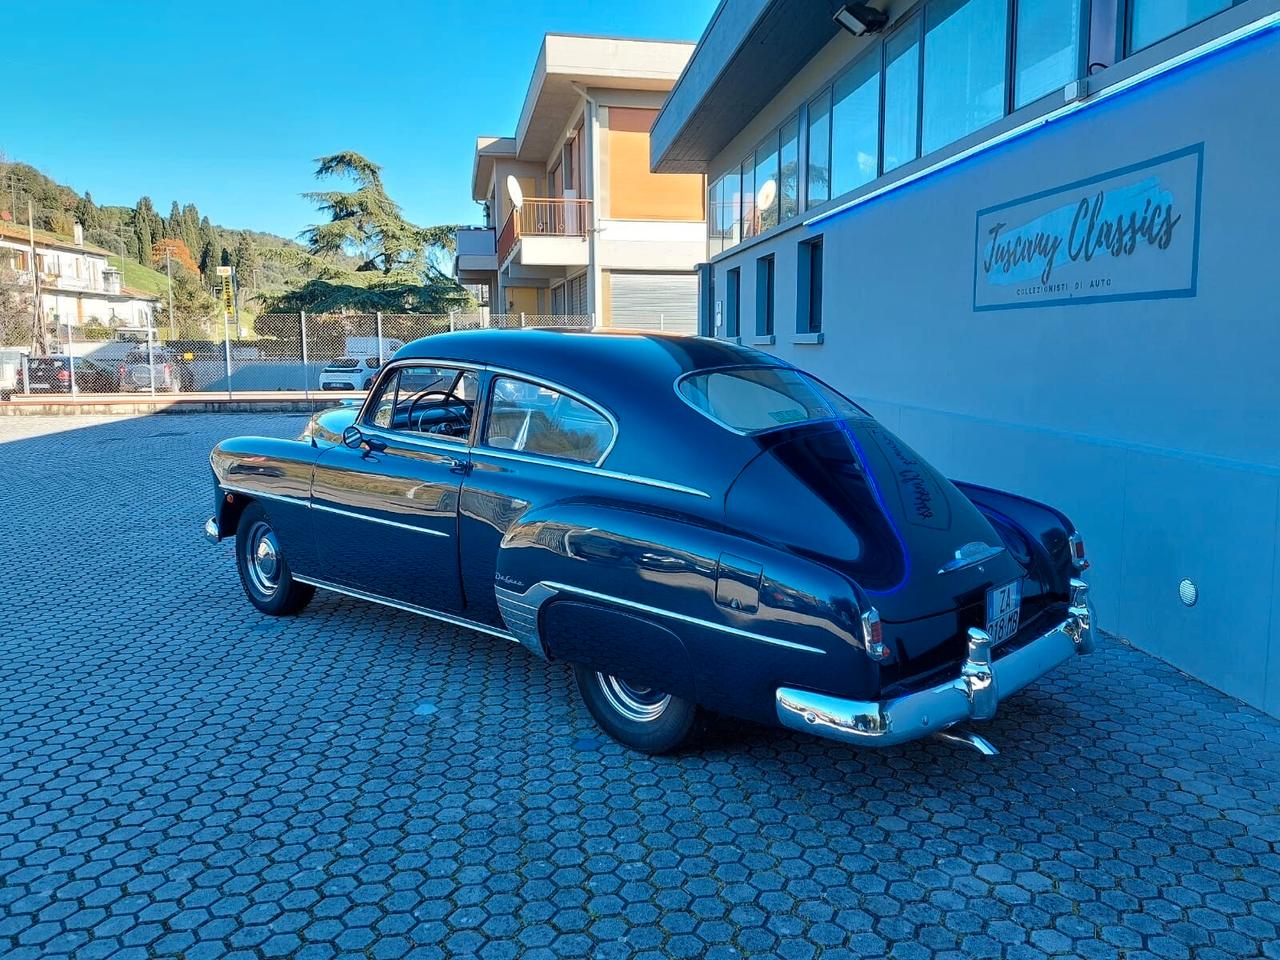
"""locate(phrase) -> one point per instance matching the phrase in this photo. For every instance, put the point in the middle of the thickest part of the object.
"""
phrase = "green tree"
(246, 263)
(367, 224)
(195, 312)
(208, 261)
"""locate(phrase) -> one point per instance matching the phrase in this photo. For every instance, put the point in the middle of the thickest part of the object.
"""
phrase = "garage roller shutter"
(652, 301)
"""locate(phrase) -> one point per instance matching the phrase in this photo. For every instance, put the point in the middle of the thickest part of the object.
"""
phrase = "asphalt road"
(183, 777)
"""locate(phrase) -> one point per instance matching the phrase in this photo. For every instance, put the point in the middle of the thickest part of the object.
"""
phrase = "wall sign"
(1129, 234)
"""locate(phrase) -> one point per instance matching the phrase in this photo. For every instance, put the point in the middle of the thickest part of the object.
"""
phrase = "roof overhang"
(567, 67)
(488, 150)
(748, 53)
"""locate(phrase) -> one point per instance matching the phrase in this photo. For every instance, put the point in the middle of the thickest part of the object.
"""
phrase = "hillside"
(266, 264)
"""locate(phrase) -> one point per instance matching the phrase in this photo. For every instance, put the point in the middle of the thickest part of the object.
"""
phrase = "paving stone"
(185, 777)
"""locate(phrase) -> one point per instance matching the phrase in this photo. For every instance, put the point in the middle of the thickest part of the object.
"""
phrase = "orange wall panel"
(634, 192)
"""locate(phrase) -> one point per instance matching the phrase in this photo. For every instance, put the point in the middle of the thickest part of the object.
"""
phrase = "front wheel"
(264, 573)
(637, 716)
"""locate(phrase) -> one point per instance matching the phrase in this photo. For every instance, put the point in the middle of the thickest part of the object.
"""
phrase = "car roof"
(601, 363)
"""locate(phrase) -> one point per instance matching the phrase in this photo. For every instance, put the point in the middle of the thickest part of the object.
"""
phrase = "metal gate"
(654, 301)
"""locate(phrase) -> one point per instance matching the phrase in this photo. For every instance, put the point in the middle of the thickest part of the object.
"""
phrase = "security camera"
(861, 18)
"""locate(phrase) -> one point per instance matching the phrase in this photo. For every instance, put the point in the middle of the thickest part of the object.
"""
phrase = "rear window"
(346, 363)
(752, 399)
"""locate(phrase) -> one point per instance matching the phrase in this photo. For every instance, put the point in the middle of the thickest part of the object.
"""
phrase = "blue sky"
(226, 104)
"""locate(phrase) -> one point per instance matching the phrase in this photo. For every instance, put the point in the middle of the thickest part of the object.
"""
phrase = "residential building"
(1036, 238)
(594, 232)
(78, 286)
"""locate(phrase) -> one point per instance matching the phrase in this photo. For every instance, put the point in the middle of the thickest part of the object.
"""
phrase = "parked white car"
(349, 373)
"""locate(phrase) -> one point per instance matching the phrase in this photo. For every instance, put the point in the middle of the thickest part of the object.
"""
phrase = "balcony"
(546, 231)
(476, 257)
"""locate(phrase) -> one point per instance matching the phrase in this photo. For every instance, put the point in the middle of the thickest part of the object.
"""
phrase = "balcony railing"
(543, 217)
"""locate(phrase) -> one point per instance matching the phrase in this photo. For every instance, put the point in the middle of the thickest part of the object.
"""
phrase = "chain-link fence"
(289, 352)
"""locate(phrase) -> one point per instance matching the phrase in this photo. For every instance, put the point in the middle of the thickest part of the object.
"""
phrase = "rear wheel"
(637, 716)
(264, 573)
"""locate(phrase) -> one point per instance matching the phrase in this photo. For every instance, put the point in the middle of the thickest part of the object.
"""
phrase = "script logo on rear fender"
(923, 502)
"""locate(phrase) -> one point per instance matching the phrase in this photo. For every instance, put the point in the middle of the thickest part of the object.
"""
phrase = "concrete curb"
(116, 405)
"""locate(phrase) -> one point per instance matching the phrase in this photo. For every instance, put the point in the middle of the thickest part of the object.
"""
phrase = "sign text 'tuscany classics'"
(1127, 234)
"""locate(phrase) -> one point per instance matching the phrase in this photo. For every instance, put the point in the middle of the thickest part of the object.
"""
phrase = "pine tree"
(208, 261)
(246, 260)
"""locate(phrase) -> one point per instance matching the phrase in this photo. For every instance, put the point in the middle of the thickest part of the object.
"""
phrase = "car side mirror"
(352, 437)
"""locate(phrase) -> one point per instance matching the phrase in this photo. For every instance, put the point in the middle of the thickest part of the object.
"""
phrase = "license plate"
(1004, 604)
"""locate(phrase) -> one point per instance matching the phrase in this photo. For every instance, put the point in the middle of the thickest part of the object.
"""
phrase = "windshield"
(751, 399)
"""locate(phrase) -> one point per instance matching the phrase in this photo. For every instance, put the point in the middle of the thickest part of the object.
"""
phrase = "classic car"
(686, 522)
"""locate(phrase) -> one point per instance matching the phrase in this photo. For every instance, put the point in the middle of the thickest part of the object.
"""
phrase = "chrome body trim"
(448, 618)
(211, 531)
(973, 695)
(970, 555)
(390, 523)
(520, 614)
(591, 471)
(263, 495)
(543, 590)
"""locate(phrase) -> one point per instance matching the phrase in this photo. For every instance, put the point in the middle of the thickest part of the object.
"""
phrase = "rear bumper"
(974, 695)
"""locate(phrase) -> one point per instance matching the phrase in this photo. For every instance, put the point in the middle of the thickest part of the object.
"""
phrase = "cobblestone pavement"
(182, 777)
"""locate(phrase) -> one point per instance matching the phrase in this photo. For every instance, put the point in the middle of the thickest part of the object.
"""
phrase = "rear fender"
(745, 616)
(1035, 533)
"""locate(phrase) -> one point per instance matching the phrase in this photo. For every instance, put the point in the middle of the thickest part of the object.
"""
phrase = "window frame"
(733, 303)
(731, 368)
(1011, 57)
(364, 420)
(766, 295)
(1127, 49)
(805, 286)
(482, 422)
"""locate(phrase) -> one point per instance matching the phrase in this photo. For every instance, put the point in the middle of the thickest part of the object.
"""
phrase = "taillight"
(63, 376)
(168, 370)
(1078, 559)
(123, 371)
(873, 636)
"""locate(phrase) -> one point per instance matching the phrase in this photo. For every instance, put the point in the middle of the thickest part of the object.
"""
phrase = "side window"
(438, 401)
(536, 419)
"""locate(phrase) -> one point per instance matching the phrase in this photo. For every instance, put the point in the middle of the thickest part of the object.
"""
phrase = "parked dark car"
(141, 370)
(52, 374)
(685, 521)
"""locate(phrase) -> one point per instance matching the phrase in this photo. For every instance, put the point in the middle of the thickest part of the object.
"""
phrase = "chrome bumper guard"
(974, 695)
(211, 531)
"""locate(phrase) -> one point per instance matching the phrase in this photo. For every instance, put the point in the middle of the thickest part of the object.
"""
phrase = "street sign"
(228, 295)
(224, 271)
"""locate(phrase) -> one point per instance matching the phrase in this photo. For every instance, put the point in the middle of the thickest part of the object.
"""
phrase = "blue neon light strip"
(1268, 22)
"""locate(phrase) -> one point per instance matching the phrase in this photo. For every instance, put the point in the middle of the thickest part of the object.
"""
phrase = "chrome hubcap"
(635, 703)
(264, 558)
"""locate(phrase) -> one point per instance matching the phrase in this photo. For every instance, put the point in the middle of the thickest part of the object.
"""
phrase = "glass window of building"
(965, 46)
(902, 96)
(1047, 48)
(764, 296)
(809, 287)
(1154, 20)
(818, 181)
(747, 198)
(715, 236)
(855, 126)
(789, 172)
(733, 304)
(767, 183)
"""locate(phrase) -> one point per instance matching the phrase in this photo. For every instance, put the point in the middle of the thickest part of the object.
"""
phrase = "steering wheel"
(444, 395)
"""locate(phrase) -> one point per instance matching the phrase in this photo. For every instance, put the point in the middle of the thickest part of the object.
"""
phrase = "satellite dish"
(514, 192)
(767, 193)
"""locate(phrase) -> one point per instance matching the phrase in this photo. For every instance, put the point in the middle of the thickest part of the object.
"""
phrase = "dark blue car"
(685, 521)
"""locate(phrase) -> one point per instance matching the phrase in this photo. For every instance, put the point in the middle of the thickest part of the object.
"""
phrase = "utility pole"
(38, 346)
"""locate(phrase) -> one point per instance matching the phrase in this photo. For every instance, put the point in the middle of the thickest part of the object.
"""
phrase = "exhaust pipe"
(967, 738)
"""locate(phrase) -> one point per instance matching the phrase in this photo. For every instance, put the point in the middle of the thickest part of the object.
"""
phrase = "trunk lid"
(862, 501)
